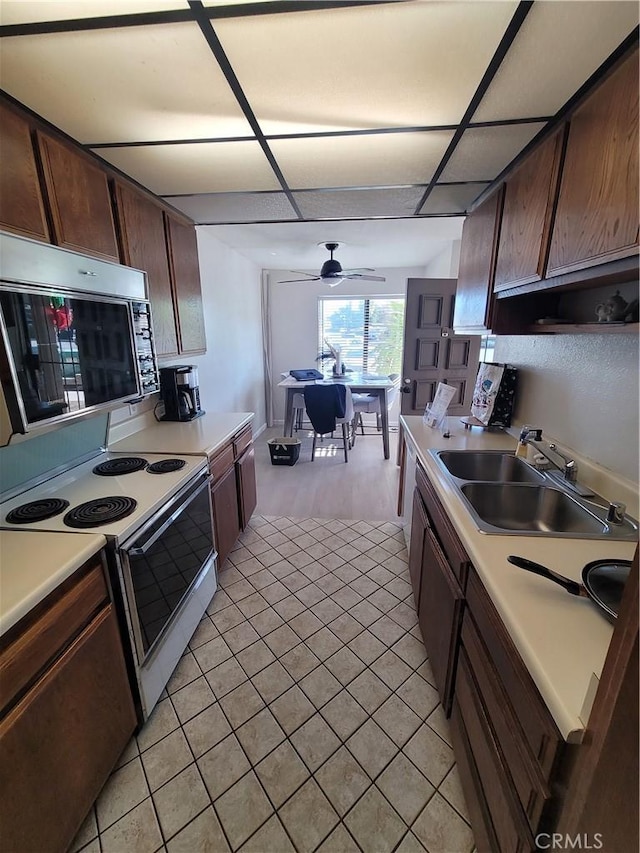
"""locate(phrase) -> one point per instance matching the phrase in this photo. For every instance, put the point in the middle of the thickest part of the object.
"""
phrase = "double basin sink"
(504, 494)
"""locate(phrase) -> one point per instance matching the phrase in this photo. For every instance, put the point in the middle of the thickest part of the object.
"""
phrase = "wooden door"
(226, 519)
(432, 353)
(525, 229)
(247, 485)
(478, 250)
(187, 290)
(597, 213)
(439, 615)
(62, 740)
(144, 247)
(79, 199)
(21, 205)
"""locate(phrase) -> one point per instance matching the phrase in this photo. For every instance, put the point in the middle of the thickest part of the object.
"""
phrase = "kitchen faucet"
(570, 468)
(566, 468)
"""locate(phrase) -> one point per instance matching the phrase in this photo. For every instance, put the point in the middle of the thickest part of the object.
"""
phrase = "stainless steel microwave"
(77, 335)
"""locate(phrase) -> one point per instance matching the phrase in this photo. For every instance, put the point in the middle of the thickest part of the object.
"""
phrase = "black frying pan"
(602, 581)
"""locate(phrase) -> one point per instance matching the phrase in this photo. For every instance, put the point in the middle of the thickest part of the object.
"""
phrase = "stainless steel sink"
(506, 495)
(530, 509)
(489, 465)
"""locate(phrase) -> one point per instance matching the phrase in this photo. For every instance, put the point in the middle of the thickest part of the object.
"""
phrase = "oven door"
(168, 576)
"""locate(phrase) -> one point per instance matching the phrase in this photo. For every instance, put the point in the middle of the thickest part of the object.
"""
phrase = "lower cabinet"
(233, 490)
(67, 713)
(507, 746)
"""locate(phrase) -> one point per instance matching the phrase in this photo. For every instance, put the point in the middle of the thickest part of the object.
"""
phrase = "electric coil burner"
(36, 511)
(123, 465)
(166, 466)
(100, 511)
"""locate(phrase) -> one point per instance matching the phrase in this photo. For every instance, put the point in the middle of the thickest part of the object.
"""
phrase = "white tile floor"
(302, 717)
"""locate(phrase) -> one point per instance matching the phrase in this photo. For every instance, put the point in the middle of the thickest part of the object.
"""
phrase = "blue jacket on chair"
(325, 403)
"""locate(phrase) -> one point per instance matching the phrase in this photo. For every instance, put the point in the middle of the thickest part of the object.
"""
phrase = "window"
(487, 347)
(370, 331)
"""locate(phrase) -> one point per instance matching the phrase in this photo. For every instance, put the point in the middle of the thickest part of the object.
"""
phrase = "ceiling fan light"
(332, 280)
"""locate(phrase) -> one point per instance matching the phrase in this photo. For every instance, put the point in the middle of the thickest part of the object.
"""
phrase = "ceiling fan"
(332, 272)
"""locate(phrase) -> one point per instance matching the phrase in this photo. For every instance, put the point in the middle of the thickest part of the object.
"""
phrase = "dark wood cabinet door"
(439, 615)
(419, 524)
(476, 272)
(526, 216)
(144, 247)
(79, 200)
(62, 740)
(21, 206)
(597, 213)
(226, 516)
(185, 275)
(247, 491)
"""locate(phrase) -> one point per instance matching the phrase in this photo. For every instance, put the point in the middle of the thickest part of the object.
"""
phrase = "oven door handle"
(142, 549)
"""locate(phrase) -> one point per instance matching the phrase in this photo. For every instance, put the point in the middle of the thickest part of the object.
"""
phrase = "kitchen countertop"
(33, 564)
(201, 436)
(562, 639)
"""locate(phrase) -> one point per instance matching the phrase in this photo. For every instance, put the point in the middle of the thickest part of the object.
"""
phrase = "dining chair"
(330, 406)
(298, 406)
(369, 404)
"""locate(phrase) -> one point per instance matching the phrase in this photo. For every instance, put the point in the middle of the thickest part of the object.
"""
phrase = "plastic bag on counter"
(494, 394)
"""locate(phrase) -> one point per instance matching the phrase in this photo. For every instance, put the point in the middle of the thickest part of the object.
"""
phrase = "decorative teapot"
(615, 308)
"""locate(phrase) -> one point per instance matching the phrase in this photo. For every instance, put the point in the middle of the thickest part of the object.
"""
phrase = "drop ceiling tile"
(483, 153)
(558, 47)
(235, 207)
(453, 198)
(134, 84)
(34, 11)
(195, 168)
(382, 65)
(349, 204)
(359, 161)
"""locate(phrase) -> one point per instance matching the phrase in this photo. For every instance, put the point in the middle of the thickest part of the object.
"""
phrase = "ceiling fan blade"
(292, 280)
(366, 277)
(359, 269)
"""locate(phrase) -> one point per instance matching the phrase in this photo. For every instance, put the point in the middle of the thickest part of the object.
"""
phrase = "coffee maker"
(180, 393)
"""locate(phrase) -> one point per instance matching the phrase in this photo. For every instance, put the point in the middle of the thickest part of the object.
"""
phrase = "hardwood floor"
(363, 488)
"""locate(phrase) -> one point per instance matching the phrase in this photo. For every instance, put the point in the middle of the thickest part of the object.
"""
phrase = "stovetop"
(135, 495)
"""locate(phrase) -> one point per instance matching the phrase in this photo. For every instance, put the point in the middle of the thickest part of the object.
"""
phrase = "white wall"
(445, 264)
(294, 317)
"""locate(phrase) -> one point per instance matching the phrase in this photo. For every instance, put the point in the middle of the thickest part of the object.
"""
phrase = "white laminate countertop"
(562, 639)
(33, 564)
(202, 436)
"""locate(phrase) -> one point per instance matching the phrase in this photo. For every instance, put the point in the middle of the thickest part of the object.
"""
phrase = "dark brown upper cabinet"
(21, 206)
(526, 216)
(597, 214)
(474, 303)
(144, 246)
(185, 279)
(79, 200)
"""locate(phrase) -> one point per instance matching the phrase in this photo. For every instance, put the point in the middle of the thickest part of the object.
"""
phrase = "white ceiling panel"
(34, 11)
(382, 159)
(389, 65)
(124, 85)
(345, 204)
(555, 51)
(235, 207)
(454, 198)
(483, 152)
(197, 168)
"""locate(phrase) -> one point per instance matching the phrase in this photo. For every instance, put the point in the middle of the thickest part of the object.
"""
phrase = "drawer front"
(42, 640)
(525, 773)
(242, 441)
(448, 537)
(536, 723)
(221, 463)
(512, 832)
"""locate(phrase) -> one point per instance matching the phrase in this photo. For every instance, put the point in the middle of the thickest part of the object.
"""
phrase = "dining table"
(360, 383)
